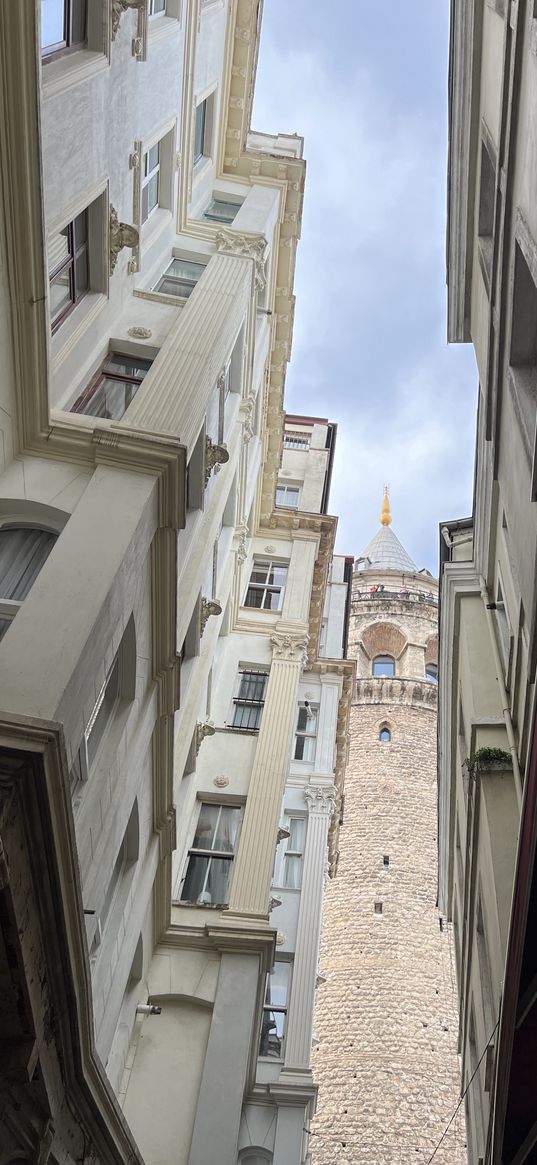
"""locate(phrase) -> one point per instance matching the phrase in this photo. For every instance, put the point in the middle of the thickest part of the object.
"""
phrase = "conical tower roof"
(385, 551)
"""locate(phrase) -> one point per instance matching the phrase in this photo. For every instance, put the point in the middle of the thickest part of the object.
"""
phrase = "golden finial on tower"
(386, 513)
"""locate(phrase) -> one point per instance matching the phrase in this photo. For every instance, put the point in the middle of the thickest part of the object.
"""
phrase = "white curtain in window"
(23, 552)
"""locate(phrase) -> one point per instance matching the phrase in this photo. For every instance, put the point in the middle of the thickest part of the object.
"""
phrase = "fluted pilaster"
(255, 857)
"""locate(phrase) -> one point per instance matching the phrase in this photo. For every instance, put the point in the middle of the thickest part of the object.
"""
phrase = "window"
(386, 861)
(180, 278)
(156, 7)
(306, 732)
(150, 181)
(113, 387)
(211, 856)
(486, 211)
(275, 1011)
(69, 273)
(127, 854)
(219, 210)
(431, 672)
(118, 688)
(502, 621)
(378, 907)
(201, 147)
(289, 854)
(267, 585)
(523, 350)
(287, 495)
(385, 735)
(23, 552)
(63, 26)
(383, 665)
(296, 440)
(249, 701)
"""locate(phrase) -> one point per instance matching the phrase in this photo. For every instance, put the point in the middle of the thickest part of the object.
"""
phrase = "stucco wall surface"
(386, 1018)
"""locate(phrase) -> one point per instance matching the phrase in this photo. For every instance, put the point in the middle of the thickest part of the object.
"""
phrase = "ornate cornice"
(396, 690)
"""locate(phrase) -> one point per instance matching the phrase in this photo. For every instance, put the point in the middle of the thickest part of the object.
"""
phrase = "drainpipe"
(489, 607)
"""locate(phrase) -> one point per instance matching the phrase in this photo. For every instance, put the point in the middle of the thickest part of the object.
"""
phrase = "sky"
(365, 84)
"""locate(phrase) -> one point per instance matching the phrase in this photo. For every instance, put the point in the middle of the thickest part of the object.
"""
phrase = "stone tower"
(386, 1016)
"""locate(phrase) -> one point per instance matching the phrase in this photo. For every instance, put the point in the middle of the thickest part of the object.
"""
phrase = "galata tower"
(386, 1016)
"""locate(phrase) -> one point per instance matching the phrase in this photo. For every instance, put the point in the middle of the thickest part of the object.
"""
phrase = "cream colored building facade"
(487, 756)
(386, 1016)
(165, 709)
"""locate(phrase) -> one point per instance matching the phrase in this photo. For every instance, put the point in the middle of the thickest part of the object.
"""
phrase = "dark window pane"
(207, 880)
(78, 22)
(226, 831)
(254, 598)
(110, 399)
(199, 131)
(102, 712)
(59, 249)
(23, 552)
(81, 274)
(272, 1034)
(81, 230)
(130, 365)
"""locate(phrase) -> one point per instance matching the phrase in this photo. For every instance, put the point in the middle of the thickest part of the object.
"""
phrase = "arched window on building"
(255, 1157)
(383, 665)
(385, 734)
(431, 672)
(23, 552)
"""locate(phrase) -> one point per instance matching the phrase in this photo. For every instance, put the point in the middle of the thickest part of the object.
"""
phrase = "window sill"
(158, 297)
(162, 26)
(72, 69)
(239, 731)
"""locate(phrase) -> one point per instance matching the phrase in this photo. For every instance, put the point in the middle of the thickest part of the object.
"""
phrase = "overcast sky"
(365, 83)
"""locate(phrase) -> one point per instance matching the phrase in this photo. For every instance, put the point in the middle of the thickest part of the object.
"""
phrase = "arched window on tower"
(385, 734)
(431, 672)
(383, 665)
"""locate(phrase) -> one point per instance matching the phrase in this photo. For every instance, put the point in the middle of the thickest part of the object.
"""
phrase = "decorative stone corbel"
(281, 834)
(274, 902)
(208, 607)
(241, 534)
(246, 414)
(121, 6)
(203, 730)
(214, 455)
(122, 234)
(229, 242)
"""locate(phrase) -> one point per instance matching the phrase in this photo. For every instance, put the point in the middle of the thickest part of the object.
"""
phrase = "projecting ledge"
(396, 689)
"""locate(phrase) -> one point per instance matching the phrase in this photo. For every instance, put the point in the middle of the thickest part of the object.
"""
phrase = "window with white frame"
(63, 26)
(383, 665)
(296, 440)
(275, 1011)
(113, 387)
(156, 7)
(210, 857)
(249, 701)
(180, 278)
(290, 853)
(306, 732)
(287, 495)
(221, 210)
(267, 584)
(23, 553)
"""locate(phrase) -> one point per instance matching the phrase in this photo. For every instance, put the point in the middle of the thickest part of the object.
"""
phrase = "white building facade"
(164, 706)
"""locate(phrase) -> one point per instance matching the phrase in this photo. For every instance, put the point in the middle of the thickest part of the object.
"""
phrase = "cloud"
(369, 347)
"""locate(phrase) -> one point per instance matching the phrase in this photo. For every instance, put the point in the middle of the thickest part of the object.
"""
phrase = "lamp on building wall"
(148, 1009)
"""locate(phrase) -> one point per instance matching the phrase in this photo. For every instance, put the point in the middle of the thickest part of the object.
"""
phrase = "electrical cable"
(463, 1094)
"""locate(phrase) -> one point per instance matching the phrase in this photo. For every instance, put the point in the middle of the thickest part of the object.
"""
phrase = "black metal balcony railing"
(403, 594)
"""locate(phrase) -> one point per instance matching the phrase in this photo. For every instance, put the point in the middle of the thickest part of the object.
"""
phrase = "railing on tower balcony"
(400, 594)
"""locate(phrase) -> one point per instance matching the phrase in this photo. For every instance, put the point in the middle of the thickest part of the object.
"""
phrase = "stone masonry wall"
(386, 1018)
